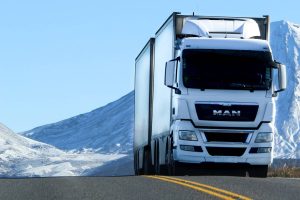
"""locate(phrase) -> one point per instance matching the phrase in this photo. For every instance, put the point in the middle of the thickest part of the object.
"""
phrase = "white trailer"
(204, 93)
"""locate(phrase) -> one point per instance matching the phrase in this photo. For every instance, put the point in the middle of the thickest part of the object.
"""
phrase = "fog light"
(187, 148)
(261, 150)
(191, 148)
(264, 150)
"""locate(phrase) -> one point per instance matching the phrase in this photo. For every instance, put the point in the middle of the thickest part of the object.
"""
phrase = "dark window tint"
(227, 69)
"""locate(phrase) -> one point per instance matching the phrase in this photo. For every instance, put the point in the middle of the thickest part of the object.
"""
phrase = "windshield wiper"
(242, 86)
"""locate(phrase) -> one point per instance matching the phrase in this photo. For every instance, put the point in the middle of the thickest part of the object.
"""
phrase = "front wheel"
(260, 171)
(171, 164)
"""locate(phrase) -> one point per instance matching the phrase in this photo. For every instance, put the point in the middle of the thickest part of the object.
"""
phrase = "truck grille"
(225, 151)
(232, 112)
(226, 137)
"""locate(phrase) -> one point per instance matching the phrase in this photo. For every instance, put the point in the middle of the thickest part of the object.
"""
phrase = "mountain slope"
(285, 43)
(21, 156)
(107, 129)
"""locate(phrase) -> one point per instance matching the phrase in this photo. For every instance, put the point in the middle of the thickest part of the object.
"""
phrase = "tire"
(259, 171)
(156, 159)
(171, 164)
(147, 167)
(136, 163)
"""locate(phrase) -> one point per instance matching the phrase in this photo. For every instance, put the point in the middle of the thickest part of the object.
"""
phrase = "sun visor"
(196, 28)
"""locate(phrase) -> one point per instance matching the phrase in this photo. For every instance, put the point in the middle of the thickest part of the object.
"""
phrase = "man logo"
(227, 113)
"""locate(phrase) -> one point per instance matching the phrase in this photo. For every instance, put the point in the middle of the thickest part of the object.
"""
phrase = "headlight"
(188, 135)
(264, 137)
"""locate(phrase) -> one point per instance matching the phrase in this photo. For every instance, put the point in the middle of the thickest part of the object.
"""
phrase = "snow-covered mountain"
(22, 157)
(98, 142)
(285, 43)
(110, 128)
(107, 129)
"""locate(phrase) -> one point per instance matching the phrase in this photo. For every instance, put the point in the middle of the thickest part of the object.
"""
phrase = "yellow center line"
(211, 188)
(222, 194)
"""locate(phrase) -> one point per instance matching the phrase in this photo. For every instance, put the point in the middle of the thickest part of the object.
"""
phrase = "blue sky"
(61, 58)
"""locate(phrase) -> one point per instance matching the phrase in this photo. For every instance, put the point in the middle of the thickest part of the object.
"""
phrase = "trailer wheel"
(147, 161)
(156, 158)
(260, 171)
(136, 163)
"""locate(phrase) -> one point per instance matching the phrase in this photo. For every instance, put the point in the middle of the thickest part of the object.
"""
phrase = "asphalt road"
(142, 187)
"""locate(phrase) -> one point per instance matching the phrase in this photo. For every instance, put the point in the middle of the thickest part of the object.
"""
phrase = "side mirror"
(282, 77)
(282, 82)
(169, 73)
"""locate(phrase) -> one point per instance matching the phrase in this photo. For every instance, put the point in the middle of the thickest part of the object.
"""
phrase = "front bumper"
(201, 157)
(206, 155)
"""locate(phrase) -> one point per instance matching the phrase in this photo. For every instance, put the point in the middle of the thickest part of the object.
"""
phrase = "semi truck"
(204, 93)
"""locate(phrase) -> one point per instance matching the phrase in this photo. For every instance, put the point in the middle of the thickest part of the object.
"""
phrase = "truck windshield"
(226, 69)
